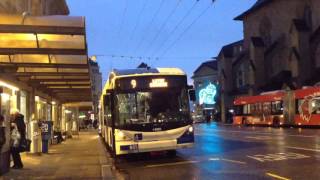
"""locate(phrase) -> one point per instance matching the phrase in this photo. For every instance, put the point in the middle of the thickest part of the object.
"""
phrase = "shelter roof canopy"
(47, 52)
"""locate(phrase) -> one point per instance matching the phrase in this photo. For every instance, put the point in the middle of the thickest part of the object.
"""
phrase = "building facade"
(280, 50)
(205, 80)
(96, 82)
(34, 7)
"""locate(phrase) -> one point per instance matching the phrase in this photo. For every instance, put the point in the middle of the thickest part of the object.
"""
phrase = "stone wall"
(273, 23)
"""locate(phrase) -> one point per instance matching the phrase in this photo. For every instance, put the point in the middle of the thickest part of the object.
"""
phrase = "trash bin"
(46, 128)
(45, 146)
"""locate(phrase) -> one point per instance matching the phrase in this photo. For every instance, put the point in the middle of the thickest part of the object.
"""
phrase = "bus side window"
(107, 107)
(298, 104)
(239, 110)
(249, 109)
(267, 108)
(277, 107)
(316, 105)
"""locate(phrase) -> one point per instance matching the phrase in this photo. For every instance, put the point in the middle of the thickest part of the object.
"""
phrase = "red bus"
(299, 107)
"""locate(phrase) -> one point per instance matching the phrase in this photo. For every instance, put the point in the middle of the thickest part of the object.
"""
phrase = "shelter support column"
(35, 133)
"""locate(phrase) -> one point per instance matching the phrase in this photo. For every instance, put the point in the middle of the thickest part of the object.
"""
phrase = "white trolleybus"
(146, 110)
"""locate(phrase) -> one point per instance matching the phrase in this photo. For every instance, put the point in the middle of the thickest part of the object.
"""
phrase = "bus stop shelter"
(47, 55)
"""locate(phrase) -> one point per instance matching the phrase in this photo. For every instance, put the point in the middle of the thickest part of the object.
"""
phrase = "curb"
(106, 164)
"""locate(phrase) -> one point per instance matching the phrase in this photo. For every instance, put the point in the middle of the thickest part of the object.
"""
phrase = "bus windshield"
(154, 106)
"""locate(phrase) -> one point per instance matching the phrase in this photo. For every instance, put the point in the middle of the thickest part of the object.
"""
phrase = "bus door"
(289, 107)
(108, 120)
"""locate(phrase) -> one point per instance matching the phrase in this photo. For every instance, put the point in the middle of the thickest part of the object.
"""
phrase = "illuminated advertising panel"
(207, 93)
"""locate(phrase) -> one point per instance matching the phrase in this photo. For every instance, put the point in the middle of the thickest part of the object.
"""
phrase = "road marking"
(233, 161)
(277, 176)
(306, 136)
(171, 164)
(263, 133)
(227, 160)
(305, 149)
(277, 157)
(259, 137)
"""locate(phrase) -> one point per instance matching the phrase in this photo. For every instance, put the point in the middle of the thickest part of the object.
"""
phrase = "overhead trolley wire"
(176, 27)
(149, 25)
(118, 56)
(185, 30)
(164, 24)
(122, 19)
(133, 32)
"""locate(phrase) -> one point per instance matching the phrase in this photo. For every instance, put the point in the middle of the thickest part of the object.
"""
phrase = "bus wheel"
(244, 121)
(276, 122)
(172, 153)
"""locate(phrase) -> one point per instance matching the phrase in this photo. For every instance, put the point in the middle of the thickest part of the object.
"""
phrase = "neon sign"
(207, 95)
(158, 83)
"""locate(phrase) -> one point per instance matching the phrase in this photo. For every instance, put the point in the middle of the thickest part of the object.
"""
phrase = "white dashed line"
(227, 160)
(171, 164)
(305, 149)
(277, 176)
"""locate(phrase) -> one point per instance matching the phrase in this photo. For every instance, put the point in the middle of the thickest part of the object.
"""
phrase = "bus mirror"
(106, 100)
(192, 95)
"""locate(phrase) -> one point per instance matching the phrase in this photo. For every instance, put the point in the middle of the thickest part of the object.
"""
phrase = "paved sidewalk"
(82, 157)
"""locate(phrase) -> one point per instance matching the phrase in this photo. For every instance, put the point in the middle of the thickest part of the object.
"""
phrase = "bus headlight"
(120, 136)
(190, 129)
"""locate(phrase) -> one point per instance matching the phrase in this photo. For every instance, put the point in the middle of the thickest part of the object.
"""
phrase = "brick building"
(280, 50)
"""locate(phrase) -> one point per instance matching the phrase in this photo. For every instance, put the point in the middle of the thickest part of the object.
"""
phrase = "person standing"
(18, 132)
(2, 132)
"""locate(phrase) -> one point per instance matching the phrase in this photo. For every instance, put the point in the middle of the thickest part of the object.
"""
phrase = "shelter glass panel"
(70, 21)
(70, 70)
(61, 41)
(4, 59)
(17, 40)
(68, 59)
(30, 58)
(35, 70)
(47, 77)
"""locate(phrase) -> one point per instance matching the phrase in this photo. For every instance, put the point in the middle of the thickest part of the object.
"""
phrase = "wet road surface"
(232, 152)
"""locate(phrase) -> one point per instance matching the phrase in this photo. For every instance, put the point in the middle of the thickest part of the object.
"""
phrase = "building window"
(240, 80)
(265, 31)
(308, 16)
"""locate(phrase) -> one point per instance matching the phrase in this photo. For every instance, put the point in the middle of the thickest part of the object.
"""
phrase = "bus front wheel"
(276, 122)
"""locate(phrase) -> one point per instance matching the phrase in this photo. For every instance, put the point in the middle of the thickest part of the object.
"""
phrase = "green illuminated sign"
(207, 95)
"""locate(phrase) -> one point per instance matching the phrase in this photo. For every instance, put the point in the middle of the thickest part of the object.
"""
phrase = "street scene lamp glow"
(4, 84)
(5, 97)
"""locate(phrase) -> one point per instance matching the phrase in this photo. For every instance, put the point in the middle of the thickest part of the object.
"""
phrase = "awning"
(48, 53)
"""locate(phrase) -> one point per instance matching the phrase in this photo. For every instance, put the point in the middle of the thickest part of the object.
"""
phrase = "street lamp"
(93, 58)
(24, 16)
